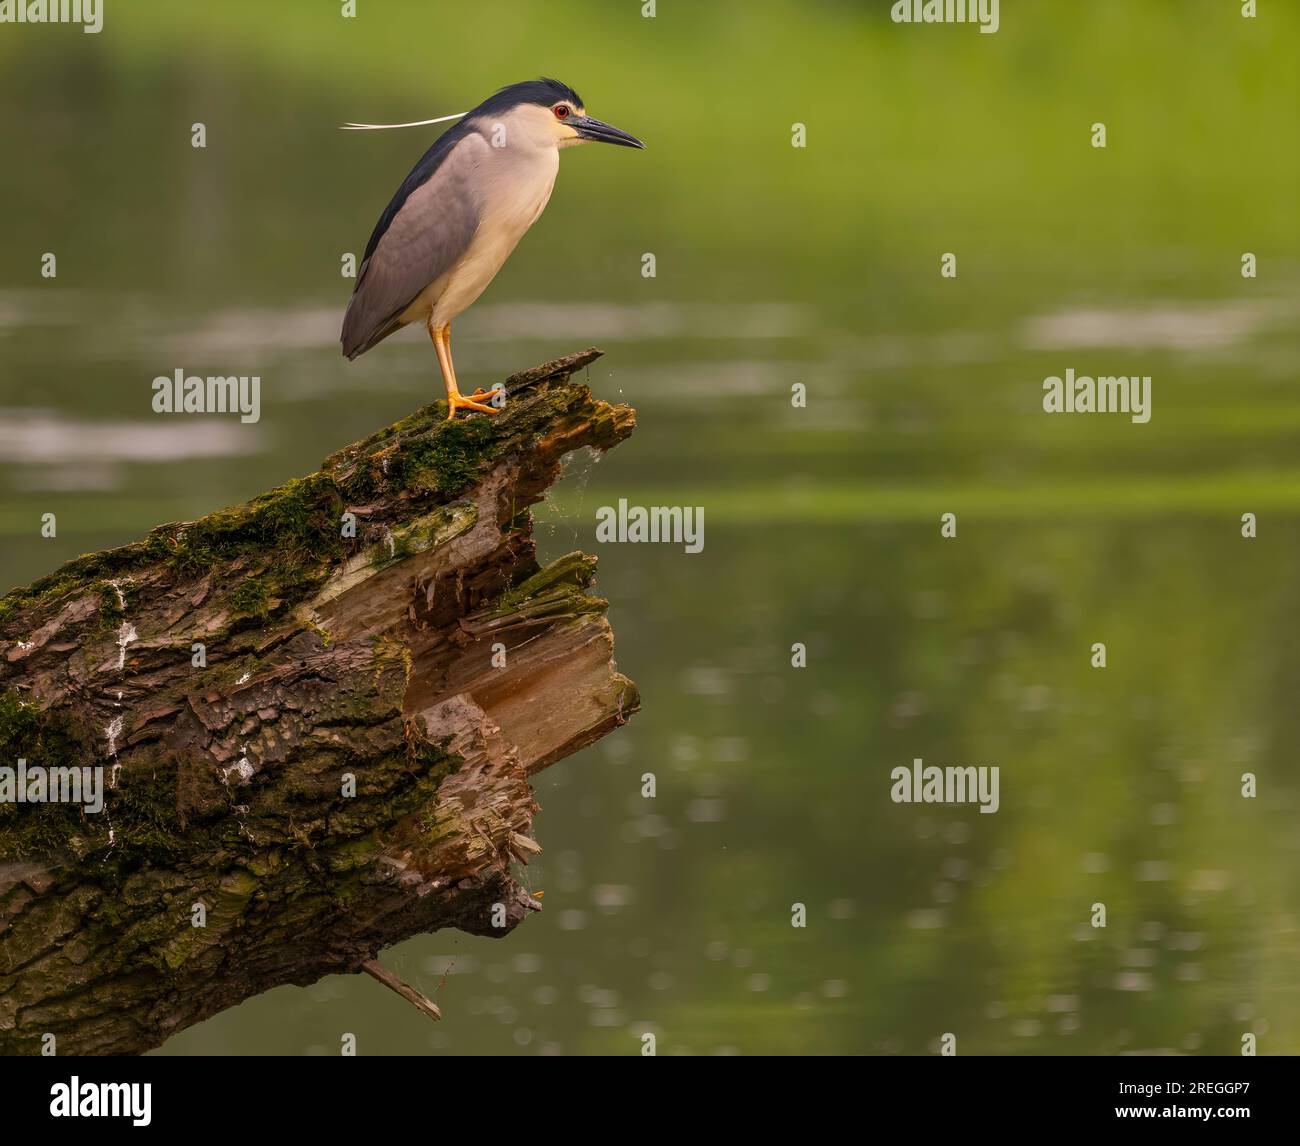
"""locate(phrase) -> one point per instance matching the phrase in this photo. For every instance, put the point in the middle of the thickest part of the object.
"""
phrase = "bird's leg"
(441, 336)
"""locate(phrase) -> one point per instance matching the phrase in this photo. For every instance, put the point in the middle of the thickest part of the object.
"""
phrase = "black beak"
(589, 128)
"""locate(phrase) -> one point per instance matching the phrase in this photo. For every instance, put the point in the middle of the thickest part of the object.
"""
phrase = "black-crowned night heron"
(458, 215)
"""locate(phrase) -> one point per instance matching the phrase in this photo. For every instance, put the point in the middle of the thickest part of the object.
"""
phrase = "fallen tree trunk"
(317, 716)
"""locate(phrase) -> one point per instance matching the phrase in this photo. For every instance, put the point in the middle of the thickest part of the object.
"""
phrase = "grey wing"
(428, 233)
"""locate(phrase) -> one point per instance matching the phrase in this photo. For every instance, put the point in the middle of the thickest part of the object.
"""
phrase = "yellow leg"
(441, 336)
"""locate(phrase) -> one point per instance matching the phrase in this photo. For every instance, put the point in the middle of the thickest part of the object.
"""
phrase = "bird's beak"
(588, 128)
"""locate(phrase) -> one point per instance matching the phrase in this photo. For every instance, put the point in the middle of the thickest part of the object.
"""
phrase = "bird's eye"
(561, 111)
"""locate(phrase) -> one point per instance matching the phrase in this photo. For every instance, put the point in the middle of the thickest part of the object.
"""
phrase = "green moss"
(396, 546)
(326, 637)
(358, 853)
(144, 815)
(252, 597)
(110, 613)
(28, 731)
(576, 570)
(424, 533)
(188, 942)
(110, 604)
(141, 812)
(265, 863)
(299, 521)
(29, 830)
(159, 545)
(423, 454)
(446, 462)
(47, 588)
(108, 616)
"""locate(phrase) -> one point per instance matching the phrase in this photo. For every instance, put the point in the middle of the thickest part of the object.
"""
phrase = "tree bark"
(239, 677)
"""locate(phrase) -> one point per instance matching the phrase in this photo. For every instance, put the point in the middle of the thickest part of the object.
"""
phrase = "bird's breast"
(515, 186)
(513, 190)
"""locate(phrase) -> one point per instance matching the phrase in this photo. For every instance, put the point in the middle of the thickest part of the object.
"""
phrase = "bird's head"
(549, 112)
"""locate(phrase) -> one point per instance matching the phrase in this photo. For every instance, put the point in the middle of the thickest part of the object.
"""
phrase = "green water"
(775, 265)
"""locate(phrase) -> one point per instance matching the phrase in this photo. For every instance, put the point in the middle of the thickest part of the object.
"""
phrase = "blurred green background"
(775, 265)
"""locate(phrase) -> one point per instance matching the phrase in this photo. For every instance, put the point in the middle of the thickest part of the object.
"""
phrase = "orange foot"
(460, 402)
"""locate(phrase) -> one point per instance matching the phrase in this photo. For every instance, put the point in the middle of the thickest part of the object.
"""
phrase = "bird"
(460, 213)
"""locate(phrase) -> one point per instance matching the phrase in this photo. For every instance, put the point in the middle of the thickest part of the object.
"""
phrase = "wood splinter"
(522, 847)
(377, 970)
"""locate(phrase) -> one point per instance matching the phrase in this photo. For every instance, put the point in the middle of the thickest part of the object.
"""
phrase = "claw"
(460, 402)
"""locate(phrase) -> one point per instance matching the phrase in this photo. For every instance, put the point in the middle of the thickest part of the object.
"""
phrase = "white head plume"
(390, 126)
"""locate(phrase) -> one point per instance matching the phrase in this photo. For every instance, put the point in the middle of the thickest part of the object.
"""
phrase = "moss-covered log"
(317, 715)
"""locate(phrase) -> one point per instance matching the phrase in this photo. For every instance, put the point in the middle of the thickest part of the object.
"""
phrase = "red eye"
(561, 111)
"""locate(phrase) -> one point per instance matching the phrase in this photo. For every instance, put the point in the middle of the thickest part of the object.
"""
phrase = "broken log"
(316, 715)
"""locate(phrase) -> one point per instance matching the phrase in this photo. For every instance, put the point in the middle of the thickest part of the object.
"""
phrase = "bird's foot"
(460, 402)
